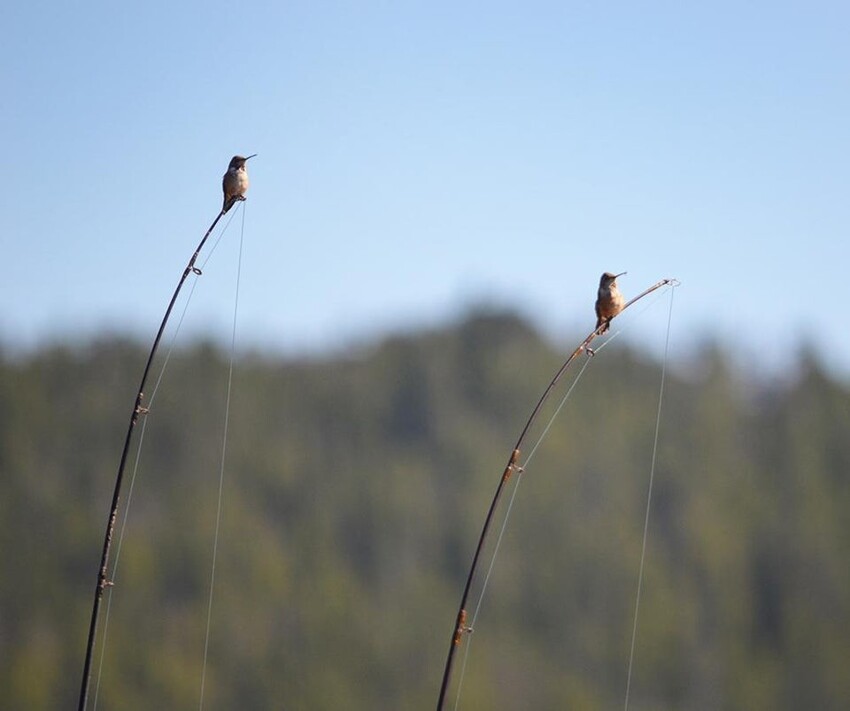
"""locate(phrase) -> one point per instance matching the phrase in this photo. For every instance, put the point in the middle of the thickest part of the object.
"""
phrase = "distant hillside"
(355, 488)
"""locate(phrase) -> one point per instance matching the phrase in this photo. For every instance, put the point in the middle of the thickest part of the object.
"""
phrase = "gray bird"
(609, 301)
(235, 182)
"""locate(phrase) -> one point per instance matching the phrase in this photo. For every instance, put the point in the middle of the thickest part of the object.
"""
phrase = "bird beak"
(251, 156)
(620, 274)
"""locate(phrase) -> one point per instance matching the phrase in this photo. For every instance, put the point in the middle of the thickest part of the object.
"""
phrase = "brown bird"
(609, 301)
(235, 182)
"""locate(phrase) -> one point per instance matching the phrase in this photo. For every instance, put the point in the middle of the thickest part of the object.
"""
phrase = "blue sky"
(416, 158)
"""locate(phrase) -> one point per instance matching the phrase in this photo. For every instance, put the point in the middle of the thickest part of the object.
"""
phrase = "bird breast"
(236, 182)
(610, 301)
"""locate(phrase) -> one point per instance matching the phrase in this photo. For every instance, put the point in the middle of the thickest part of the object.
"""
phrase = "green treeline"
(355, 488)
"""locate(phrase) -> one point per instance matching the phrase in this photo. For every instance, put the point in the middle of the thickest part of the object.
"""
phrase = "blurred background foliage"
(355, 488)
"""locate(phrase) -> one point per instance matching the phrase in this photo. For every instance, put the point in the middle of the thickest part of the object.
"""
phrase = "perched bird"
(235, 182)
(609, 301)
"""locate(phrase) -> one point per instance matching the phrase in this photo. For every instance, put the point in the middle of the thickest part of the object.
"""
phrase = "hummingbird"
(609, 301)
(235, 182)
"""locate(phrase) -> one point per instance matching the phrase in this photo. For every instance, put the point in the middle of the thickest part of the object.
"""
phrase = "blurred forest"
(355, 488)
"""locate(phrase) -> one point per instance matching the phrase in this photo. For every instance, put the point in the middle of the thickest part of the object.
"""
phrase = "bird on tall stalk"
(609, 301)
(235, 182)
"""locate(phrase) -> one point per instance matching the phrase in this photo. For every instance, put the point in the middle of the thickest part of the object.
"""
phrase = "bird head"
(608, 279)
(238, 162)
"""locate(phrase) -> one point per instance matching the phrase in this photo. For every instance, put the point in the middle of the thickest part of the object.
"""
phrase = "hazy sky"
(415, 158)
